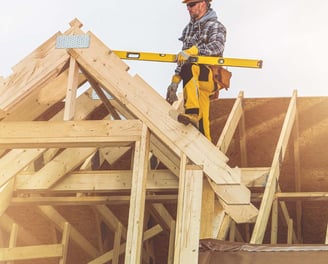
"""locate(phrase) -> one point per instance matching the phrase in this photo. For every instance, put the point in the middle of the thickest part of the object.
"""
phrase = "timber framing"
(115, 178)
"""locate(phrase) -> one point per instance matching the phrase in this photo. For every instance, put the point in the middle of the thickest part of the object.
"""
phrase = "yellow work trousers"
(198, 86)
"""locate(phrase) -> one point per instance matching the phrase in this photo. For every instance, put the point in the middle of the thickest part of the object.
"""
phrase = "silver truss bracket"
(72, 41)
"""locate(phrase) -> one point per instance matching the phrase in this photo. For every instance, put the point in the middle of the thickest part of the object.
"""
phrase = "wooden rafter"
(271, 185)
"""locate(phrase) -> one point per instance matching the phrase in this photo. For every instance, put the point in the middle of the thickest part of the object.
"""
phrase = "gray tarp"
(223, 252)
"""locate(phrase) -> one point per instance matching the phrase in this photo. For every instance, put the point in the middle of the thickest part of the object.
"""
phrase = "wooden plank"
(31, 252)
(254, 177)
(207, 212)
(111, 220)
(232, 232)
(41, 99)
(16, 160)
(117, 244)
(53, 171)
(286, 217)
(165, 155)
(170, 255)
(161, 215)
(326, 240)
(290, 230)
(302, 196)
(150, 107)
(72, 85)
(148, 234)
(242, 134)
(6, 224)
(241, 213)
(64, 242)
(274, 222)
(224, 228)
(63, 134)
(6, 192)
(218, 218)
(188, 214)
(103, 97)
(232, 194)
(297, 169)
(137, 203)
(13, 238)
(98, 181)
(230, 126)
(91, 200)
(75, 235)
(38, 73)
(269, 192)
(113, 154)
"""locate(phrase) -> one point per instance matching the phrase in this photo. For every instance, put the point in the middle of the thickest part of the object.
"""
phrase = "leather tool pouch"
(221, 76)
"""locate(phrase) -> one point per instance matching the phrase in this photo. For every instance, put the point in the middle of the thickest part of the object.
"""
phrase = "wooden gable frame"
(55, 144)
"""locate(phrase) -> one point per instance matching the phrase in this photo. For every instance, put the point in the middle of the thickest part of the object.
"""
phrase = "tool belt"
(221, 76)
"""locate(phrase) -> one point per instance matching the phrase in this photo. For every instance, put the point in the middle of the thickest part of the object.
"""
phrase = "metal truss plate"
(72, 41)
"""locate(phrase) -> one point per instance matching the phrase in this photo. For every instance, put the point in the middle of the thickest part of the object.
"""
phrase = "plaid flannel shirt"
(207, 34)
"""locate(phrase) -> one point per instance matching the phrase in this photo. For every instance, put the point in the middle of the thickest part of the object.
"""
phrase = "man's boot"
(189, 119)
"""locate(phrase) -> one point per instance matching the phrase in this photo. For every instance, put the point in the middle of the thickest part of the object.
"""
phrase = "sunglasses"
(193, 4)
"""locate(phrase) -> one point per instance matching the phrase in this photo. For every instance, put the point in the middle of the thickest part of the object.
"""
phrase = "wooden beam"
(6, 224)
(13, 238)
(72, 85)
(110, 108)
(6, 195)
(15, 161)
(64, 242)
(271, 186)
(242, 134)
(28, 75)
(255, 177)
(149, 107)
(31, 252)
(96, 181)
(117, 244)
(241, 213)
(274, 222)
(111, 220)
(218, 219)
(93, 200)
(188, 213)
(138, 196)
(64, 134)
(54, 170)
(162, 215)
(224, 228)
(302, 196)
(207, 210)
(290, 230)
(59, 221)
(148, 234)
(230, 126)
(297, 169)
(170, 255)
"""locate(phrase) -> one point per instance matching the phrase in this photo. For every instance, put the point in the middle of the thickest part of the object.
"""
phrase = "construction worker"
(203, 35)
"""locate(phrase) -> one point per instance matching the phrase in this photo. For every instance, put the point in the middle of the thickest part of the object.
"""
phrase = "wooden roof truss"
(54, 143)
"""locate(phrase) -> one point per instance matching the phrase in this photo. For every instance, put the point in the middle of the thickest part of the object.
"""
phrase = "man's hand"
(184, 55)
(171, 95)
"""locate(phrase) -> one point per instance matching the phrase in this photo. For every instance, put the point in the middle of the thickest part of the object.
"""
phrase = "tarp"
(213, 251)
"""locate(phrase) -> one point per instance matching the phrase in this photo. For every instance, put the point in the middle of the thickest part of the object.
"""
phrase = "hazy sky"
(291, 37)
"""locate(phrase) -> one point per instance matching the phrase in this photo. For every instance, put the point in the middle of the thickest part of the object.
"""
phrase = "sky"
(290, 37)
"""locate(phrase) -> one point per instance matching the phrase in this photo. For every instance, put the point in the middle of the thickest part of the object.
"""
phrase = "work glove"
(171, 95)
(184, 55)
